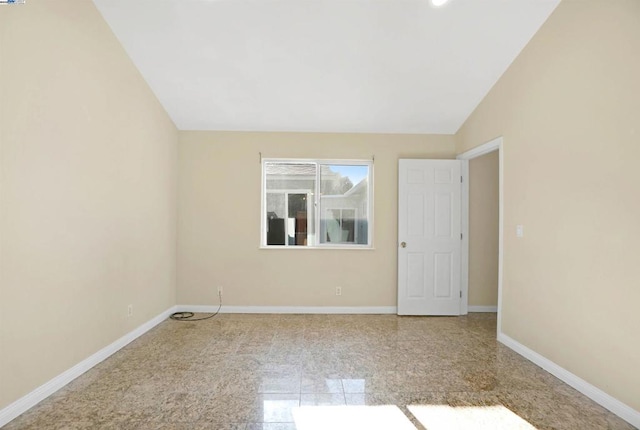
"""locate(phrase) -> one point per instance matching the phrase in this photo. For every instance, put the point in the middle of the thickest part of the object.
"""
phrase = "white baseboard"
(42, 392)
(597, 395)
(291, 309)
(493, 309)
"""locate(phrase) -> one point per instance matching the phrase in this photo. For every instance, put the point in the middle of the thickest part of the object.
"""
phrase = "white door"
(429, 237)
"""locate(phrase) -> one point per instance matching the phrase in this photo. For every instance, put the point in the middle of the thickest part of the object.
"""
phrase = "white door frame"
(493, 145)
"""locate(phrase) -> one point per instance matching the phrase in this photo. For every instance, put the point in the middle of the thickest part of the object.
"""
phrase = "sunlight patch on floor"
(351, 417)
(443, 417)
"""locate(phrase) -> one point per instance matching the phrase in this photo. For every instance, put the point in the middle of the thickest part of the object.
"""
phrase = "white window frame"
(315, 243)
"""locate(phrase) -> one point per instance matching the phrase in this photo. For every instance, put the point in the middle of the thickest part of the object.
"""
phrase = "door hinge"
(461, 179)
(460, 294)
(460, 236)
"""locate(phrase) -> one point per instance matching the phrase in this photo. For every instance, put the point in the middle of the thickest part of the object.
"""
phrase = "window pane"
(290, 188)
(298, 214)
(275, 219)
(290, 176)
(344, 205)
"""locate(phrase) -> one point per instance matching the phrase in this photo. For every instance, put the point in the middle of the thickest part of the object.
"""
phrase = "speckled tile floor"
(282, 372)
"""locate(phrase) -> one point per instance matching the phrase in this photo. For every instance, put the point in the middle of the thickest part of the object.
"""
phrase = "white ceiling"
(379, 66)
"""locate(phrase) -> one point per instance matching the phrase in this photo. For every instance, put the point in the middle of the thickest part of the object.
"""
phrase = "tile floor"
(269, 372)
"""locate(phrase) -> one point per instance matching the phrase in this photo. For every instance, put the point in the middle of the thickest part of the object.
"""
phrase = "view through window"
(316, 203)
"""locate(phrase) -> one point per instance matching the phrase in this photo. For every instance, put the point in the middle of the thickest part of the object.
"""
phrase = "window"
(317, 203)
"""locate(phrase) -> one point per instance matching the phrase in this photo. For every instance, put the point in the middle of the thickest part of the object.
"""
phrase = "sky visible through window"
(355, 173)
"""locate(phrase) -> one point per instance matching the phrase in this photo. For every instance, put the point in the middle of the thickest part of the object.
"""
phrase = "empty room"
(319, 214)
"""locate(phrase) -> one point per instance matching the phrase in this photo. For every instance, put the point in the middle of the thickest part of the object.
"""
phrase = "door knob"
(403, 244)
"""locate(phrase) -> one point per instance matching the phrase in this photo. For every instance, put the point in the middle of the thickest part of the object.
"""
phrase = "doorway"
(494, 145)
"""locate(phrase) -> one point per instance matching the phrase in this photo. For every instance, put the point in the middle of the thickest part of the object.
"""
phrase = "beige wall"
(219, 221)
(569, 111)
(87, 198)
(88, 169)
(483, 230)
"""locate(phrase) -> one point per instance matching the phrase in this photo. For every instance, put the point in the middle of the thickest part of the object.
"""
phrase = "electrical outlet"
(338, 291)
(130, 310)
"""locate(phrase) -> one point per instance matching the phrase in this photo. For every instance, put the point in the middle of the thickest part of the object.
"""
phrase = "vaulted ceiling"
(379, 66)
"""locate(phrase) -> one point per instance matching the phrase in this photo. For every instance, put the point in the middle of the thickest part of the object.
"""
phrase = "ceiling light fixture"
(438, 3)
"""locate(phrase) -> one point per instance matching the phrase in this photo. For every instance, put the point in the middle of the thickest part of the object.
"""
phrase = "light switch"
(519, 230)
